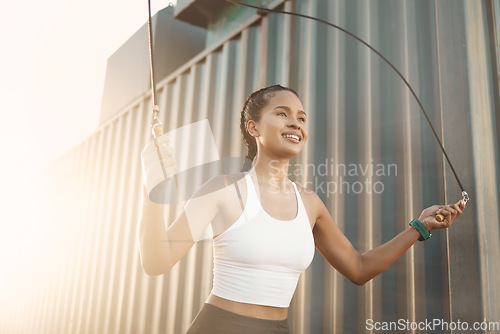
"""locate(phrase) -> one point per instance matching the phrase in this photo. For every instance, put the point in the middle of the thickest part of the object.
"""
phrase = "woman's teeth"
(294, 137)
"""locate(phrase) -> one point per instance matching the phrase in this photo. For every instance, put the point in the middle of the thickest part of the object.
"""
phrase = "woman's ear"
(252, 128)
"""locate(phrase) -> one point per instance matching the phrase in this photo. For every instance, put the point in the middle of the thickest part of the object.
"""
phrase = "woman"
(265, 227)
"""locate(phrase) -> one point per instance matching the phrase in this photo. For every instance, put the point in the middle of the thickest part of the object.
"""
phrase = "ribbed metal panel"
(361, 113)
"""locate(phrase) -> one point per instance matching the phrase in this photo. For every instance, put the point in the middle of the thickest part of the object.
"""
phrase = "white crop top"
(258, 259)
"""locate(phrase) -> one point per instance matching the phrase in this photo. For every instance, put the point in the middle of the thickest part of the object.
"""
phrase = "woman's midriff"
(249, 310)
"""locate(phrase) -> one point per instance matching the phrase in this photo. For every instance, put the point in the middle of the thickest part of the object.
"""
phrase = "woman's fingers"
(457, 209)
(437, 213)
(430, 216)
(451, 211)
(447, 217)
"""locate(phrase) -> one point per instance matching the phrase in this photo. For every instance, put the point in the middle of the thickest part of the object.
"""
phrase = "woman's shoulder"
(312, 203)
(220, 183)
(310, 198)
(227, 179)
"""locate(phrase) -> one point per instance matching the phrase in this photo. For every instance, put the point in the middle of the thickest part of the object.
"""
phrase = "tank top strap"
(301, 210)
(252, 203)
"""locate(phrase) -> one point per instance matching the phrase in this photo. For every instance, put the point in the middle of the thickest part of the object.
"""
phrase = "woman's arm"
(162, 248)
(360, 268)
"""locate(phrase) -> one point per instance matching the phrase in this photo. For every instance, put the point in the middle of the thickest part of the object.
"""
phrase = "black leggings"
(214, 320)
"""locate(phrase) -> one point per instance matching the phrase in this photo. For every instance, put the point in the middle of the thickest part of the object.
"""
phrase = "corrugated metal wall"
(91, 280)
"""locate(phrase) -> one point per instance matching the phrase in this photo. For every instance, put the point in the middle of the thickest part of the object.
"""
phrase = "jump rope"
(157, 127)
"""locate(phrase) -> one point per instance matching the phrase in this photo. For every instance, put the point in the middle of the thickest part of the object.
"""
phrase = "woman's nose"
(294, 124)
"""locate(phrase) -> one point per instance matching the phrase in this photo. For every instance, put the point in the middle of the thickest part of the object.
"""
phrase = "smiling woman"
(266, 227)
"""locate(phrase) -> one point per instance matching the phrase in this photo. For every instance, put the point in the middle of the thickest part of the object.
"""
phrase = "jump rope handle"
(156, 126)
(157, 130)
(465, 198)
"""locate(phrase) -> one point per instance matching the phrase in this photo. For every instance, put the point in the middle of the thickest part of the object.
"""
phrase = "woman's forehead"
(285, 98)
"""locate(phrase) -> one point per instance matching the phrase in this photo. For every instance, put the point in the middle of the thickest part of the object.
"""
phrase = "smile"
(293, 138)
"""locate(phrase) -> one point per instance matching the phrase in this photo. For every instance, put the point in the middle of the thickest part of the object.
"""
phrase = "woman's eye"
(302, 119)
(281, 113)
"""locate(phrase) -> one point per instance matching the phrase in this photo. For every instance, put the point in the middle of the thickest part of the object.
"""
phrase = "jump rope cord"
(260, 10)
(156, 126)
(156, 109)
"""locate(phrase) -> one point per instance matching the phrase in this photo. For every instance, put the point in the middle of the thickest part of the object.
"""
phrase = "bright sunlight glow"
(53, 63)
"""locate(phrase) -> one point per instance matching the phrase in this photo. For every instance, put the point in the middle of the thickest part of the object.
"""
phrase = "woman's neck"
(271, 171)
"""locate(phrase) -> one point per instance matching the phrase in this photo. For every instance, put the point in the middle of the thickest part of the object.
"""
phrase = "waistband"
(213, 319)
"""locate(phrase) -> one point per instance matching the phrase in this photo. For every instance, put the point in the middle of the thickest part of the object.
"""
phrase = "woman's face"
(282, 128)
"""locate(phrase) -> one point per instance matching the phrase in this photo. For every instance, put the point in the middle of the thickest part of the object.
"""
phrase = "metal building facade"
(360, 114)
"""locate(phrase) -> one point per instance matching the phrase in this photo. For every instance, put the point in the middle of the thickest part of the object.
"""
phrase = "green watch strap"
(424, 234)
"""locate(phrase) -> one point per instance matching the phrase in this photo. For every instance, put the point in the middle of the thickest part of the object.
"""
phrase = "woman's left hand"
(449, 211)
